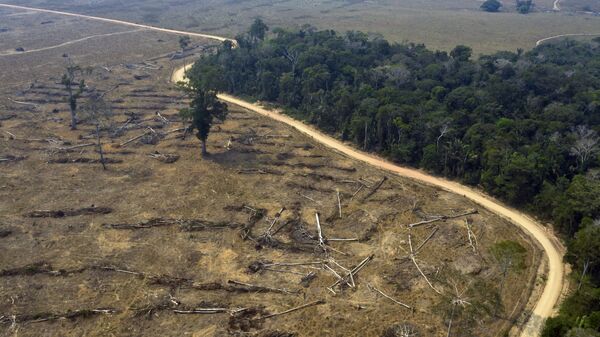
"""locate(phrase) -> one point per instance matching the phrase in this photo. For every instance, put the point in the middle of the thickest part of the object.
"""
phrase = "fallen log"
(442, 217)
(374, 189)
(319, 302)
(69, 212)
(43, 317)
(247, 287)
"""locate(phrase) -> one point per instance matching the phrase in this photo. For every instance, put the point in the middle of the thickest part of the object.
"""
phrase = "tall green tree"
(205, 107)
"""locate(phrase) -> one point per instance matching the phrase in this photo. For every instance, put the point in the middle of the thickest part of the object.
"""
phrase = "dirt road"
(540, 41)
(551, 246)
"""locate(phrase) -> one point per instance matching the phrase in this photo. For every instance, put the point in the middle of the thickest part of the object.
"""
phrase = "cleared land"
(438, 24)
(98, 254)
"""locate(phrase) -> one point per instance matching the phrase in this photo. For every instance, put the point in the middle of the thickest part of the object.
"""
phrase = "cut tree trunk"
(203, 145)
(102, 161)
(73, 119)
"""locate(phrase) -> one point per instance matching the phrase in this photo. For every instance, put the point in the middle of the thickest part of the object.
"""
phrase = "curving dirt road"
(551, 246)
(538, 42)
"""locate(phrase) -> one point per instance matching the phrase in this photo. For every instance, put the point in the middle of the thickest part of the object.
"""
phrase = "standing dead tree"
(75, 86)
(98, 113)
(456, 301)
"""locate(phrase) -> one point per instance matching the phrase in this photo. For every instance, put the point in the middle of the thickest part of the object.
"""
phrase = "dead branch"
(372, 287)
(166, 158)
(23, 103)
(471, 236)
(74, 147)
(319, 302)
(203, 311)
(442, 217)
(337, 191)
(426, 240)
(68, 212)
(309, 198)
(414, 261)
(43, 317)
(260, 171)
(357, 191)
(320, 233)
(247, 287)
(353, 272)
(342, 240)
(374, 189)
(150, 130)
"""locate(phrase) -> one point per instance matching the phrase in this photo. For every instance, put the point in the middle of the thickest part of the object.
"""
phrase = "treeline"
(522, 125)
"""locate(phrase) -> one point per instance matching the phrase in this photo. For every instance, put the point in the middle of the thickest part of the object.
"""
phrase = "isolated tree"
(204, 107)
(98, 113)
(75, 86)
(524, 6)
(184, 42)
(491, 5)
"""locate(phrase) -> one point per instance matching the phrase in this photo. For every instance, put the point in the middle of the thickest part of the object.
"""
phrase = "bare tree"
(443, 131)
(75, 85)
(292, 56)
(99, 113)
(585, 146)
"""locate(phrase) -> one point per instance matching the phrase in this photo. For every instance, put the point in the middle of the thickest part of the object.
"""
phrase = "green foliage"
(524, 6)
(510, 254)
(491, 5)
(184, 42)
(203, 80)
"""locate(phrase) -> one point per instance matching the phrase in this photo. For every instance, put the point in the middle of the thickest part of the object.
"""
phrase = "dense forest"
(521, 125)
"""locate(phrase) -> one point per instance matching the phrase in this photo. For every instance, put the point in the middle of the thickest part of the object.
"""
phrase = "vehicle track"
(544, 308)
(69, 43)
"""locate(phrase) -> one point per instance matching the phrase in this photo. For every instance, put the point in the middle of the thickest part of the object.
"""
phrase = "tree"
(461, 53)
(205, 107)
(491, 5)
(585, 146)
(509, 255)
(584, 252)
(524, 6)
(184, 42)
(75, 87)
(99, 113)
(258, 30)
